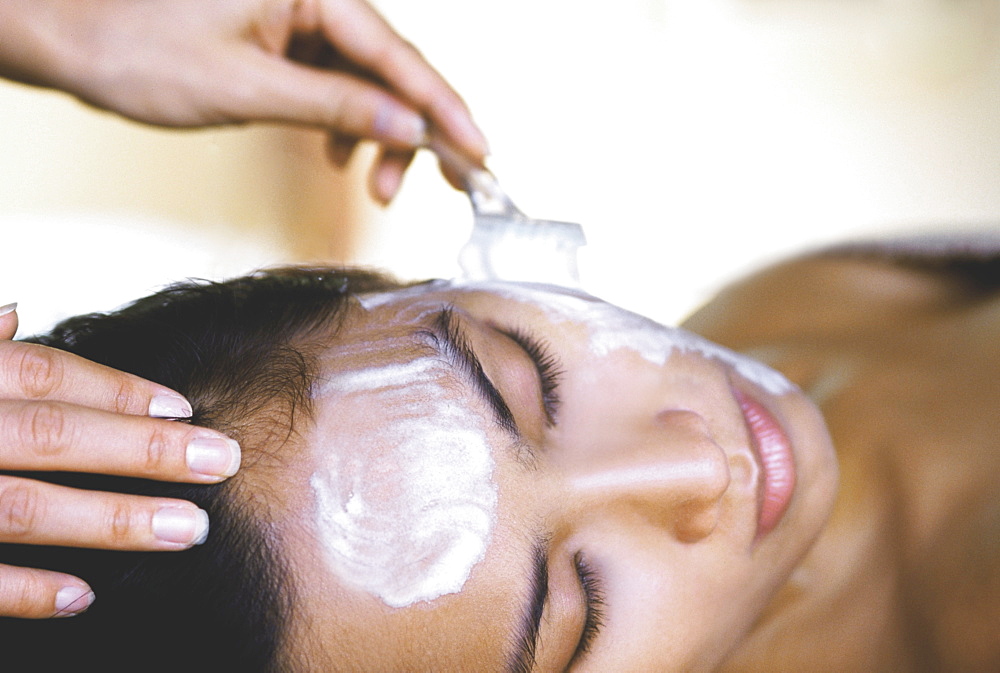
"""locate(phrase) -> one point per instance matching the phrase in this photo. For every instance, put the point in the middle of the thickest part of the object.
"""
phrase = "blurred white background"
(693, 139)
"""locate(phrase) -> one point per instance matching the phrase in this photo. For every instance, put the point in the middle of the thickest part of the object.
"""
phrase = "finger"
(267, 88)
(69, 438)
(340, 148)
(34, 372)
(387, 174)
(8, 321)
(29, 593)
(453, 177)
(36, 512)
(364, 37)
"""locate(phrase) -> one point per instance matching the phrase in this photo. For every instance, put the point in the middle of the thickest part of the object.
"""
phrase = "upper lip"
(772, 452)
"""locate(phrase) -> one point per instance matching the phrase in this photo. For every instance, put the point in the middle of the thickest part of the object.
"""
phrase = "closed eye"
(593, 592)
(549, 370)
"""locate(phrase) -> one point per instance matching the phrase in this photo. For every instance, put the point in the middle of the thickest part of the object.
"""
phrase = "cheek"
(671, 606)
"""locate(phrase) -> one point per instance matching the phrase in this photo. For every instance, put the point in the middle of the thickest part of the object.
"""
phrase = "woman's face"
(517, 477)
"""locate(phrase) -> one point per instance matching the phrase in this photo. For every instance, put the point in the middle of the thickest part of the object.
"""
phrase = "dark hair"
(242, 352)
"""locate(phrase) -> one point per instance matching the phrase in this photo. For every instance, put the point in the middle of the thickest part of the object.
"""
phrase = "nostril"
(697, 516)
(695, 521)
(718, 475)
(671, 473)
(706, 473)
(707, 462)
(683, 419)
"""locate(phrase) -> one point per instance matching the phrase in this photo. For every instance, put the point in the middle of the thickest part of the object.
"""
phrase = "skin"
(647, 472)
(329, 64)
(902, 576)
(61, 412)
(903, 365)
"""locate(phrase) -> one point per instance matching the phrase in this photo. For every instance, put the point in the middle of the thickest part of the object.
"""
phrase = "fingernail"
(387, 184)
(9, 308)
(394, 122)
(72, 600)
(214, 456)
(169, 406)
(182, 525)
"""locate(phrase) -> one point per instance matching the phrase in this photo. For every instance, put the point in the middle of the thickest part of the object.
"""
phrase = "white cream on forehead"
(408, 511)
(612, 328)
(609, 327)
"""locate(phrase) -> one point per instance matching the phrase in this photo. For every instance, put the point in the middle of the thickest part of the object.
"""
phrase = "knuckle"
(127, 400)
(156, 458)
(40, 372)
(43, 429)
(410, 48)
(19, 594)
(21, 508)
(118, 525)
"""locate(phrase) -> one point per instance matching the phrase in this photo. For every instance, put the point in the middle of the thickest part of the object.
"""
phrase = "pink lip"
(774, 453)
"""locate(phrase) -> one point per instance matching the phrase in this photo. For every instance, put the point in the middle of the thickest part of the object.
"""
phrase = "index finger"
(8, 321)
(363, 36)
(34, 372)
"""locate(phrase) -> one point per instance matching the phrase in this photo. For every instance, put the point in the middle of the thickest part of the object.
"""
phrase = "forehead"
(407, 532)
(405, 497)
(557, 301)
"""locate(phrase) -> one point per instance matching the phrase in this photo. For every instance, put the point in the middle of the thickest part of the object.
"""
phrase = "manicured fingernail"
(72, 600)
(387, 184)
(182, 525)
(213, 456)
(169, 406)
(394, 122)
(9, 308)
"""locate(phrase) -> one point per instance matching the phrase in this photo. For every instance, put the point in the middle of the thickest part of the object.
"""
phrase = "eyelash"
(549, 370)
(593, 591)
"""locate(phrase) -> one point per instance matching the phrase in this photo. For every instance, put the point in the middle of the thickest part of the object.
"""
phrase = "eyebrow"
(451, 342)
(522, 658)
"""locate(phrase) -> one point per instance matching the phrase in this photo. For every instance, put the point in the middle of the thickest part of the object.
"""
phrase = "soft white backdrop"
(694, 139)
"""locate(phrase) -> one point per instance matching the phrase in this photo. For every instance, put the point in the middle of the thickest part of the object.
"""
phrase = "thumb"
(8, 321)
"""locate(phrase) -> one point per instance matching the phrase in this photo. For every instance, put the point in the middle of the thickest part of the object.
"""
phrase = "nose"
(671, 473)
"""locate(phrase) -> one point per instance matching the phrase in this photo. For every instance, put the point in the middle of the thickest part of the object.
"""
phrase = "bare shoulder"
(816, 295)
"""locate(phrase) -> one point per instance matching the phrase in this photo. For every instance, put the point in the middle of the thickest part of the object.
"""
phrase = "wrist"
(27, 41)
(42, 41)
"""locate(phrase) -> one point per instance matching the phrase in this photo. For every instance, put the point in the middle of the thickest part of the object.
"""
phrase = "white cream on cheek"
(406, 510)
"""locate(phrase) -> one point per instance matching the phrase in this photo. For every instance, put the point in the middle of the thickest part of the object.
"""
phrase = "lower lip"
(774, 452)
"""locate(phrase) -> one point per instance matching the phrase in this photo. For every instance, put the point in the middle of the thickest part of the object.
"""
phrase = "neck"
(903, 365)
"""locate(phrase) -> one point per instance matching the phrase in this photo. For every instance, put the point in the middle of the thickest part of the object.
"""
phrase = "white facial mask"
(611, 328)
(409, 511)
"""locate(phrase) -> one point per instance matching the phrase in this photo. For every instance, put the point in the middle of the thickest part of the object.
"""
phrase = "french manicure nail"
(8, 308)
(72, 600)
(213, 456)
(182, 525)
(169, 406)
